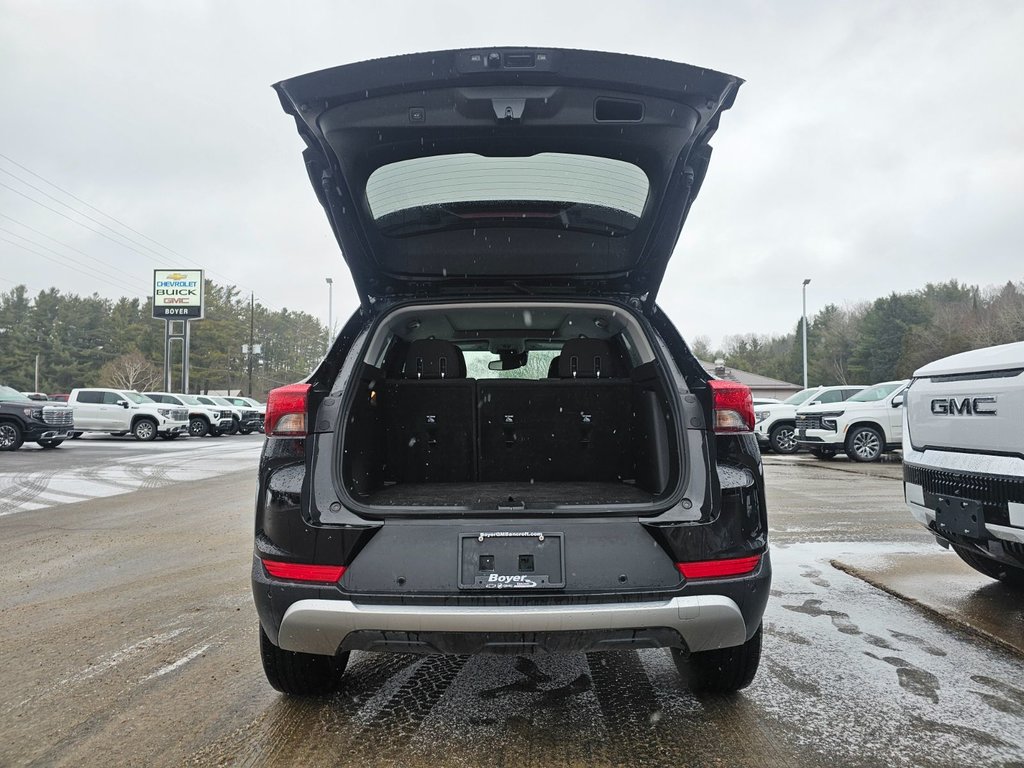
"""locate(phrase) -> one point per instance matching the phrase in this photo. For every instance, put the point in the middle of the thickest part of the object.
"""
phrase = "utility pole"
(804, 325)
(252, 327)
(37, 374)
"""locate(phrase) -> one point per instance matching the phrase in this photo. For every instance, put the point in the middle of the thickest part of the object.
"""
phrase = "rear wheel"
(198, 427)
(11, 436)
(725, 670)
(825, 454)
(300, 674)
(1007, 574)
(782, 438)
(48, 444)
(170, 435)
(145, 430)
(865, 444)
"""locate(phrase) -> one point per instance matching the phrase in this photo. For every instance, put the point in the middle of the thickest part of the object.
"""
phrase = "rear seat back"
(574, 428)
(430, 416)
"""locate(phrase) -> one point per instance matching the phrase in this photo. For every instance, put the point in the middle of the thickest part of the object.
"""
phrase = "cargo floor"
(490, 495)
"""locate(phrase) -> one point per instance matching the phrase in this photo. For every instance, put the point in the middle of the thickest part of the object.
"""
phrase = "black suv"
(509, 448)
(23, 418)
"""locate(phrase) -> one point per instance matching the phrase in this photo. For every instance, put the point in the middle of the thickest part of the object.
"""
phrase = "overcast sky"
(874, 146)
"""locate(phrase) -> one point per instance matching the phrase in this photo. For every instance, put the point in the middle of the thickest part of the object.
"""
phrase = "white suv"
(119, 412)
(776, 424)
(963, 457)
(202, 419)
(866, 425)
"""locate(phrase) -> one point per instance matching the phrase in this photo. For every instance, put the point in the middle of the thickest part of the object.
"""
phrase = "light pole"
(330, 309)
(804, 325)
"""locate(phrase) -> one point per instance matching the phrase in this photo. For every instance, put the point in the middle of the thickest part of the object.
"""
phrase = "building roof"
(752, 380)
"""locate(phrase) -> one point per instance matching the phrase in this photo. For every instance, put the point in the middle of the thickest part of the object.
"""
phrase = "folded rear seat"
(430, 416)
(574, 428)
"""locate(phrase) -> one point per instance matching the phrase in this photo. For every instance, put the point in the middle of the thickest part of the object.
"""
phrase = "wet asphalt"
(129, 638)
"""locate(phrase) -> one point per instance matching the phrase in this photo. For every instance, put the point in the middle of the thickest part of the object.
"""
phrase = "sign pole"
(184, 362)
(167, 356)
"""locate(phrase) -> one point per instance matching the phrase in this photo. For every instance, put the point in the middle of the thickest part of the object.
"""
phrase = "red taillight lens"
(286, 411)
(325, 574)
(734, 406)
(711, 569)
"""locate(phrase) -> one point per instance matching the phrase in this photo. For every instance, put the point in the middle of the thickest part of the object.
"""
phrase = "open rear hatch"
(471, 172)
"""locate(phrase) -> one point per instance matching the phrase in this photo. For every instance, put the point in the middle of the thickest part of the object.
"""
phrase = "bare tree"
(132, 371)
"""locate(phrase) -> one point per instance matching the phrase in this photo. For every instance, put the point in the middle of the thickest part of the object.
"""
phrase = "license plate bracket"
(962, 517)
(498, 560)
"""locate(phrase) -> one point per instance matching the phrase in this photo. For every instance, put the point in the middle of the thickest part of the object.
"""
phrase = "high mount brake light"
(711, 569)
(324, 574)
(734, 407)
(286, 411)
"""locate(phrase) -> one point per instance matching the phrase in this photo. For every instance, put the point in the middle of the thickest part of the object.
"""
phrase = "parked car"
(963, 457)
(60, 398)
(118, 412)
(248, 402)
(226, 409)
(22, 418)
(41, 397)
(775, 425)
(866, 425)
(521, 205)
(248, 418)
(203, 419)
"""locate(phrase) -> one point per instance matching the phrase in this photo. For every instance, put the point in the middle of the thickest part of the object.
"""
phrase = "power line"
(103, 213)
(50, 258)
(88, 205)
(112, 277)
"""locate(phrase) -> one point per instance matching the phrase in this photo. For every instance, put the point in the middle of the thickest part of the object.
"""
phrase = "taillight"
(711, 569)
(286, 411)
(734, 406)
(324, 574)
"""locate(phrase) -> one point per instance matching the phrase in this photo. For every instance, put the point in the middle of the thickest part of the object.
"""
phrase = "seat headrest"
(586, 359)
(553, 367)
(434, 359)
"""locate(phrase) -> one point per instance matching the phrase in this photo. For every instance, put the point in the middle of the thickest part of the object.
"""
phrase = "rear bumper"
(702, 622)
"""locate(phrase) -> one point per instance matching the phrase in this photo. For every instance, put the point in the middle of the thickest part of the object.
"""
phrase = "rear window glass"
(537, 363)
(573, 191)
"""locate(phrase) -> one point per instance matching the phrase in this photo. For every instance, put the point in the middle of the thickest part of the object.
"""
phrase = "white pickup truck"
(963, 457)
(865, 425)
(119, 412)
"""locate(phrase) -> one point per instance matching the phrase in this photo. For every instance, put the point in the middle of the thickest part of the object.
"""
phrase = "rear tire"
(11, 436)
(865, 444)
(825, 454)
(1007, 574)
(144, 430)
(782, 439)
(722, 671)
(301, 674)
(170, 435)
(50, 444)
(198, 427)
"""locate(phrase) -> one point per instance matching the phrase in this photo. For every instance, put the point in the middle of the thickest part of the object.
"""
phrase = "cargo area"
(595, 427)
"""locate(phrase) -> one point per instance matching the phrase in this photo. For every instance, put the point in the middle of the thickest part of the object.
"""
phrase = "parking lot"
(130, 638)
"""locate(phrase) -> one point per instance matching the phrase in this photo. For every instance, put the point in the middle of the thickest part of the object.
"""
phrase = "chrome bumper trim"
(705, 622)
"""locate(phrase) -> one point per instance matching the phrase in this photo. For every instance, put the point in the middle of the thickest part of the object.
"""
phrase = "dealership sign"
(178, 293)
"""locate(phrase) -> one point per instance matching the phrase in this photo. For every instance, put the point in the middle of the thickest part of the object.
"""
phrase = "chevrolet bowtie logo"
(176, 276)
